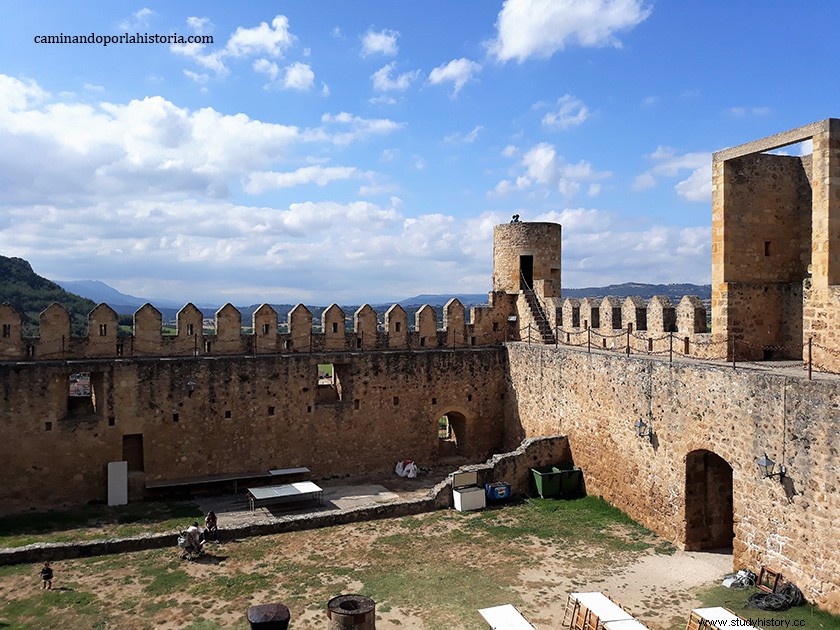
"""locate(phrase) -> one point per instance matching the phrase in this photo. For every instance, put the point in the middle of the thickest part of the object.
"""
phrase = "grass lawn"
(429, 572)
(807, 617)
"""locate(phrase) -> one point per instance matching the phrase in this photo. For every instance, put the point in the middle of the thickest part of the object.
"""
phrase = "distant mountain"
(121, 302)
(30, 294)
(646, 291)
(467, 299)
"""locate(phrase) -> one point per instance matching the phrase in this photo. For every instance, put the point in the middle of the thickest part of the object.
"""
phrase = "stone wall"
(696, 412)
(228, 414)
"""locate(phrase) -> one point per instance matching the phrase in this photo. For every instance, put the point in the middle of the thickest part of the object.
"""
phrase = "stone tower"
(526, 261)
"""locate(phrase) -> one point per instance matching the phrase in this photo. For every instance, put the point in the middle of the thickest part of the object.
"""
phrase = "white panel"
(117, 483)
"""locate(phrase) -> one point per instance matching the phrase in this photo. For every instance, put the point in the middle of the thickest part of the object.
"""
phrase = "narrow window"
(7, 330)
(265, 329)
(686, 342)
(30, 350)
(227, 413)
(308, 408)
(287, 344)
(189, 329)
(175, 417)
(396, 400)
(766, 248)
(357, 404)
(472, 341)
(103, 330)
(207, 347)
(397, 326)
(650, 344)
(112, 421)
(271, 411)
(119, 349)
(422, 342)
(469, 397)
(358, 342)
(335, 327)
(48, 426)
(434, 401)
(495, 326)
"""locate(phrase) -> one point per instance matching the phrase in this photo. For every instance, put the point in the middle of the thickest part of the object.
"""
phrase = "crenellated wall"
(487, 325)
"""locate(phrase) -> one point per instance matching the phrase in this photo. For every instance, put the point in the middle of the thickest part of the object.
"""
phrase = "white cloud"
(266, 67)
(263, 40)
(539, 28)
(696, 187)
(298, 76)
(261, 181)
(545, 172)
(383, 82)
(138, 20)
(358, 128)
(457, 72)
(570, 112)
(382, 42)
(740, 112)
(463, 138)
(17, 95)
(200, 25)
(510, 150)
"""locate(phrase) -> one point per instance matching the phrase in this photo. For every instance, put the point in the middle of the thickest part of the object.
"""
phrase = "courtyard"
(427, 572)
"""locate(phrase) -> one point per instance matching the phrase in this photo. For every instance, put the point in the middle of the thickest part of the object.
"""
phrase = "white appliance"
(465, 493)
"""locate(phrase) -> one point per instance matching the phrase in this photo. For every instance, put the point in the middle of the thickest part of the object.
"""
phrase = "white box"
(469, 498)
(117, 483)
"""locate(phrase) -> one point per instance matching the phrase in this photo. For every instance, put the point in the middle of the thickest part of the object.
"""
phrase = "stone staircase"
(539, 316)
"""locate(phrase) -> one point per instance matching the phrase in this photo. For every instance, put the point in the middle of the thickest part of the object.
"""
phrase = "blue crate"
(498, 491)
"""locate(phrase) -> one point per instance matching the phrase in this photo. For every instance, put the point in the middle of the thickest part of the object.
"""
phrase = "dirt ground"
(658, 589)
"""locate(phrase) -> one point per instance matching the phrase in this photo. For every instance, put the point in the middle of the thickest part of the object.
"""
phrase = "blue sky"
(350, 152)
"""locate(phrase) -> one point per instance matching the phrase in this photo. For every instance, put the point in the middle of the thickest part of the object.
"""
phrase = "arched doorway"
(452, 434)
(708, 502)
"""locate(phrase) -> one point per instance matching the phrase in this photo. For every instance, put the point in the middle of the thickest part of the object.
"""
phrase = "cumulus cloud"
(200, 25)
(298, 76)
(696, 187)
(570, 112)
(543, 171)
(535, 28)
(457, 72)
(383, 82)
(740, 112)
(263, 40)
(382, 42)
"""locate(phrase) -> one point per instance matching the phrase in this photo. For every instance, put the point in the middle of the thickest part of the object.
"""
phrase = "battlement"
(486, 325)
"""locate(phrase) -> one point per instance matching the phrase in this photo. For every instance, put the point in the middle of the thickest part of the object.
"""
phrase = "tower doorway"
(708, 502)
(526, 272)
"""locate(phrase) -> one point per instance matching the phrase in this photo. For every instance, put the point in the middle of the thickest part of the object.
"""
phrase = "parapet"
(488, 325)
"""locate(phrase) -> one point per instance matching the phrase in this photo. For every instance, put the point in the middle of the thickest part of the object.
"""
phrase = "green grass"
(96, 522)
(808, 616)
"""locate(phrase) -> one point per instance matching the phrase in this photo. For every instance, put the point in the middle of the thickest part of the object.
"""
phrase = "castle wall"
(595, 399)
(239, 415)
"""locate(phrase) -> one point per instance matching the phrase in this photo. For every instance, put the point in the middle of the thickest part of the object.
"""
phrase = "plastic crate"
(498, 491)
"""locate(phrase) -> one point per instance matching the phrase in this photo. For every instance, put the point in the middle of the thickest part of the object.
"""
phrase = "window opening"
(103, 330)
(7, 330)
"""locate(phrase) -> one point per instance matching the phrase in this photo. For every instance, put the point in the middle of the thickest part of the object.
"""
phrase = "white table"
(602, 607)
(505, 617)
(286, 493)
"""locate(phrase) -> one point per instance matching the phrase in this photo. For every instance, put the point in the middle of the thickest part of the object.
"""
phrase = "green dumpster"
(546, 481)
(570, 482)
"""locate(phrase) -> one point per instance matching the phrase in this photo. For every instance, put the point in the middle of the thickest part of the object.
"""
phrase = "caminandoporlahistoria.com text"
(126, 38)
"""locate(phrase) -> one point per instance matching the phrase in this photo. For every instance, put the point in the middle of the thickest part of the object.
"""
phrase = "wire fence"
(734, 351)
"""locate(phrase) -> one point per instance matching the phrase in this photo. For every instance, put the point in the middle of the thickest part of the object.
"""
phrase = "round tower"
(527, 256)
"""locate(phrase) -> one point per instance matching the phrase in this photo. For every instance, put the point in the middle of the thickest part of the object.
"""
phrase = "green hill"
(30, 294)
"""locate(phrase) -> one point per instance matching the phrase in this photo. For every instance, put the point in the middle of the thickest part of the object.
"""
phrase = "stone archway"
(452, 434)
(708, 501)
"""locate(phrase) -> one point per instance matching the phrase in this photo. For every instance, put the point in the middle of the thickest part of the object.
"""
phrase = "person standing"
(47, 576)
